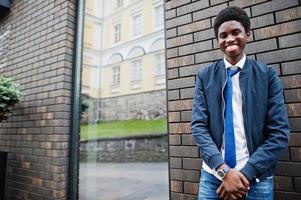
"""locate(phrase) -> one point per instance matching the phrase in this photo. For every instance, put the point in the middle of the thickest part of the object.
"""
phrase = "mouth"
(232, 47)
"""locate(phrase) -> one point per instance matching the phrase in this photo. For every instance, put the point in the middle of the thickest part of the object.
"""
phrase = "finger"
(244, 180)
(223, 192)
(233, 196)
(219, 189)
(227, 197)
(239, 195)
(242, 189)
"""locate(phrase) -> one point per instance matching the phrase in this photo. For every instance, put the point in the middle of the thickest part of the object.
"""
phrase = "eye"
(236, 32)
(222, 35)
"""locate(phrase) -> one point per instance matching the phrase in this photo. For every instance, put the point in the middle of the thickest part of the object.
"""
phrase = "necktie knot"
(232, 72)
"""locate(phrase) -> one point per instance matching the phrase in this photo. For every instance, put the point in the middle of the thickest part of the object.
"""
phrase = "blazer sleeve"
(276, 128)
(200, 126)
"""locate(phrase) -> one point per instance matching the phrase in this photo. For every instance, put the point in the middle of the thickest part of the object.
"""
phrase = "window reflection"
(123, 131)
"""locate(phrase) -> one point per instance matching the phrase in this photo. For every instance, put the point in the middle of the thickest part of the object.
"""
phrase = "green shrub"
(9, 96)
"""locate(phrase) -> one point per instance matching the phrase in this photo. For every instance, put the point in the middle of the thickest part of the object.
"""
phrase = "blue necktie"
(230, 156)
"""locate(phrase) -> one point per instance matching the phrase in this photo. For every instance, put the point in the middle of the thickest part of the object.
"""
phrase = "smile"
(232, 47)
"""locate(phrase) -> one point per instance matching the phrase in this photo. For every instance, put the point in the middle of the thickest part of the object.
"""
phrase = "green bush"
(9, 96)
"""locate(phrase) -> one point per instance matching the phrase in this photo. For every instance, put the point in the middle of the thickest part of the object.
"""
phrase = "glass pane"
(124, 143)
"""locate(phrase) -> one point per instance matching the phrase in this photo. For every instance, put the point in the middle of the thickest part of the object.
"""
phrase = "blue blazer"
(264, 112)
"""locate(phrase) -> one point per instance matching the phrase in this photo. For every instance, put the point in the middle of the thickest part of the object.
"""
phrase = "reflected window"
(160, 63)
(159, 18)
(115, 75)
(136, 70)
(137, 25)
(123, 136)
(118, 3)
(117, 33)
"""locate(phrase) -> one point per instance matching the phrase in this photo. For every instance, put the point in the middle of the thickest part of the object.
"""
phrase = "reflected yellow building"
(124, 54)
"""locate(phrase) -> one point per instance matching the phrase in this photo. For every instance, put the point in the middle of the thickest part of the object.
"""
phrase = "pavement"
(123, 181)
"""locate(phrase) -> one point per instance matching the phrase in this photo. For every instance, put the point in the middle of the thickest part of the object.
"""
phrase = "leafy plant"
(9, 96)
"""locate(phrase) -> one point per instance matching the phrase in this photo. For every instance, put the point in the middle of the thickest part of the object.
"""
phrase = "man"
(239, 119)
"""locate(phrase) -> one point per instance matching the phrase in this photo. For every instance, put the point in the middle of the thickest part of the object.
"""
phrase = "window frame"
(159, 18)
(117, 33)
(115, 75)
(136, 70)
(137, 26)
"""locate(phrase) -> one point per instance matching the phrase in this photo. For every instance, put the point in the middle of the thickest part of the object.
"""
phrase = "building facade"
(37, 45)
(124, 58)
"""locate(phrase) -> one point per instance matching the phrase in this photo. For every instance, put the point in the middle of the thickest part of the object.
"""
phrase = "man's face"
(232, 40)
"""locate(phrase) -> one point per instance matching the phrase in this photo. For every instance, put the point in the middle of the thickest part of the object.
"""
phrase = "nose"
(230, 38)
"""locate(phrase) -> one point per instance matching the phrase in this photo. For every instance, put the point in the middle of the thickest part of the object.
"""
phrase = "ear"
(248, 35)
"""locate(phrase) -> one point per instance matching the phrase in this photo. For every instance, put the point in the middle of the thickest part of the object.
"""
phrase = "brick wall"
(37, 41)
(190, 43)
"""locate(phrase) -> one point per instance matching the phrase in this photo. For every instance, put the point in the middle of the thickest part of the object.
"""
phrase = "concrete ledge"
(140, 148)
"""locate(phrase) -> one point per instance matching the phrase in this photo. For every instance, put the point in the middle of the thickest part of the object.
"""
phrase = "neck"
(234, 60)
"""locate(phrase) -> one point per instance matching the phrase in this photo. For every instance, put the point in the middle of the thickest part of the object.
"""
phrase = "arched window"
(136, 52)
(115, 58)
(157, 45)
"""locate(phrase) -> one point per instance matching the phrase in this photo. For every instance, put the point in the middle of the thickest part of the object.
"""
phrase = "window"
(117, 33)
(115, 75)
(159, 16)
(118, 3)
(136, 70)
(137, 25)
(160, 64)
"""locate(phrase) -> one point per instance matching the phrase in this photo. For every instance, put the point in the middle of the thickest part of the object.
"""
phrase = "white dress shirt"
(242, 154)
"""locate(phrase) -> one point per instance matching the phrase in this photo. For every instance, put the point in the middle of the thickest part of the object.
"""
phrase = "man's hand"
(234, 186)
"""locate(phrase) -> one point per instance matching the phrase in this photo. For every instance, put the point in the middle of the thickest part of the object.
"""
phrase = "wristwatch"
(222, 172)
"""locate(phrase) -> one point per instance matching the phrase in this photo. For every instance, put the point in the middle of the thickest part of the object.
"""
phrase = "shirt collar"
(239, 64)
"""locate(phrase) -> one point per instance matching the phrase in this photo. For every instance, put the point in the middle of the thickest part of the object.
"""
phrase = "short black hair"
(232, 13)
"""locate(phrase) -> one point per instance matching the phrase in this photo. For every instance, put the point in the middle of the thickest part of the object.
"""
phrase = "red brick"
(177, 21)
(292, 95)
(191, 188)
(193, 27)
(297, 181)
(180, 61)
(288, 14)
(288, 169)
(179, 196)
(278, 30)
(281, 195)
(187, 139)
(210, 12)
(174, 116)
(283, 183)
(271, 6)
(180, 105)
(192, 163)
(179, 41)
(184, 151)
(175, 163)
(175, 3)
(189, 8)
(174, 139)
(295, 153)
(176, 186)
(294, 110)
(290, 82)
(244, 3)
(181, 128)
(184, 175)
(262, 21)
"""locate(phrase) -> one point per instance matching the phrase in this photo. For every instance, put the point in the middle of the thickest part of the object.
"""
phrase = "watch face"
(220, 173)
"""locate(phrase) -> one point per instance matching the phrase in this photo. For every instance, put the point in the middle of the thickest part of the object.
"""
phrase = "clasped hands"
(234, 186)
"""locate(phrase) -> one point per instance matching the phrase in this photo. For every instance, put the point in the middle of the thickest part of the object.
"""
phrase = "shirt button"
(257, 180)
